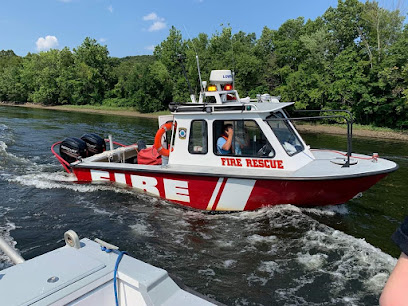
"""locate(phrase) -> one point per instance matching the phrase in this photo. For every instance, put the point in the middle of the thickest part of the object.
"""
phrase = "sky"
(133, 27)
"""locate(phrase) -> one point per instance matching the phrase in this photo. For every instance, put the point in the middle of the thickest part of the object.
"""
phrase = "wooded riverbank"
(360, 131)
(353, 57)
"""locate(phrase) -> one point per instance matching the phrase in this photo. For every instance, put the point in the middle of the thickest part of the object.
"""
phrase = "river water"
(285, 255)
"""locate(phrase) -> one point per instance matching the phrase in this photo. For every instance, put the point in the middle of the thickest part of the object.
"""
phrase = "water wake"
(61, 180)
(278, 250)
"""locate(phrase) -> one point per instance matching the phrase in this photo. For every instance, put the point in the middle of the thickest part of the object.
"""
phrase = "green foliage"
(11, 88)
(354, 57)
(93, 75)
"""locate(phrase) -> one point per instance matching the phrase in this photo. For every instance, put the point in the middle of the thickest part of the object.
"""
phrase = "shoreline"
(306, 128)
(118, 112)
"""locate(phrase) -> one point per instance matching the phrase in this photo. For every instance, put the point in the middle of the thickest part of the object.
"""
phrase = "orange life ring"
(158, 138)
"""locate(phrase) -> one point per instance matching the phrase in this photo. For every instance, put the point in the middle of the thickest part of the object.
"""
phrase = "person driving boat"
(224, 142)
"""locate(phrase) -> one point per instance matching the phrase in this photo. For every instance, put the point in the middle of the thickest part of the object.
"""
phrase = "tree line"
(353, 57)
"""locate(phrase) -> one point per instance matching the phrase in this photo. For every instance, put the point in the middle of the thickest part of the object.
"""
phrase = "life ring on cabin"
(158, 138)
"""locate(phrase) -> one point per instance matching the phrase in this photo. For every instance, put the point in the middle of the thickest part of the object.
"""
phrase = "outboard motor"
(72, 149)
(94, 143)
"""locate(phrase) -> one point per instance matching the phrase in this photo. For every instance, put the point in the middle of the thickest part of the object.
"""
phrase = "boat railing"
(10, 252)
(67, 165)
(349, 119)
(62, 161)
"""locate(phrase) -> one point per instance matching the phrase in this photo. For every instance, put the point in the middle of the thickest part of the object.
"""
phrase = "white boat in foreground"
(80, 273)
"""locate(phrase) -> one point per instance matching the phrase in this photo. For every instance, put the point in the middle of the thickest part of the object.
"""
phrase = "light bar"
(228, 87)
(212, 88)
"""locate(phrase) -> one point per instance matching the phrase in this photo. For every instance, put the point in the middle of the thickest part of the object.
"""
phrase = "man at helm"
(224, 142)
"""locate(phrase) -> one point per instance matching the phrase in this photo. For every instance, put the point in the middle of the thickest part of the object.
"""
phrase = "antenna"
(198, 62)
(233, 59)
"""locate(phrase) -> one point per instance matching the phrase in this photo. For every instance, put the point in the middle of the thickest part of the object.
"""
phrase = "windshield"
(247, 139)
(285, 134)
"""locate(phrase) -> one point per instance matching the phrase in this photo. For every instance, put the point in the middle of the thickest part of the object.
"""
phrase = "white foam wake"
(61, 180)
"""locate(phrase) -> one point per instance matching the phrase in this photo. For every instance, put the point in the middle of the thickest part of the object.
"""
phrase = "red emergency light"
(228, 87)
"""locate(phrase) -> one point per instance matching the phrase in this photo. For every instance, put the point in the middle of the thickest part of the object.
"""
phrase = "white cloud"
(110, 8)
(150, 48)
(46, 43)
(151, 16)
(157, 26)
(158, 22)
(102, 39)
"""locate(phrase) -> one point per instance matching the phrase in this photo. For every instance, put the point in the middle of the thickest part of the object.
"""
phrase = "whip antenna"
(233, 59)
(198, 62)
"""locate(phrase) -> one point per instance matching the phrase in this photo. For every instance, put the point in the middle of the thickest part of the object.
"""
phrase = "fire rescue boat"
(226, 153)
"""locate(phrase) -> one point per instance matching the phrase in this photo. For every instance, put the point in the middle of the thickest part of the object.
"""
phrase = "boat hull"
(231, 193)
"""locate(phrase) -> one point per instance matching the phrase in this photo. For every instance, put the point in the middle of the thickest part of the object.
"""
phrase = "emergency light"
(212, 88)
(228, 87)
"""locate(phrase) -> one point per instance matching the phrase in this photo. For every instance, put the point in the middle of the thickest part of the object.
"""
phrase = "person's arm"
(228, 143)
(395, 292)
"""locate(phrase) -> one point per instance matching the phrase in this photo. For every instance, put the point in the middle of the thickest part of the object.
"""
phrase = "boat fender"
(158, 138)
(71, 239)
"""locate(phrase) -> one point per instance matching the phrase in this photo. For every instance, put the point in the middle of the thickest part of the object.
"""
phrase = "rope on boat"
(115, 272)
(344, 154)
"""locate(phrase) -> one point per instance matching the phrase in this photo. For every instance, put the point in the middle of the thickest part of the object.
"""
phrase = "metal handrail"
(62, 161)
(67, 165)
(10, 252)
(349, 119)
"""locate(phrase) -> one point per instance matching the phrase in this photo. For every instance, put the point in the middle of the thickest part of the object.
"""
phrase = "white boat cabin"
(262, 138)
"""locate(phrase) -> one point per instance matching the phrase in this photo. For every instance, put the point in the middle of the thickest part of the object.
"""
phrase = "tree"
(380, 28)
(94, 75)
(289, 49)
(343, 23)
(11, 88)
(154, 87)
(169, 52)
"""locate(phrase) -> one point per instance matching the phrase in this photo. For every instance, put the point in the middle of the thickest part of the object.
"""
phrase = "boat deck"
(85, 277)
(323, 165)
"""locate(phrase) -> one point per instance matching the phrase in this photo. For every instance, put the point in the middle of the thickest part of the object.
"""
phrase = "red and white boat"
(268, 163)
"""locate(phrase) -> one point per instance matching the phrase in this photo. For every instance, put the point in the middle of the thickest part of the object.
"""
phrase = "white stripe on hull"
(215, 193)
(235, 194)
(120, 178)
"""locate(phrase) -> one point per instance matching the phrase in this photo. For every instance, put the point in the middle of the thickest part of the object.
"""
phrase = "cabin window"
(210, 99)
(198, 141)
(248, 139)
(285, 134)
(228, 97)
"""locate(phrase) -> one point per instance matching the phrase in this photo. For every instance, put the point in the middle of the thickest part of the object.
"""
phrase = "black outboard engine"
(72, 149)
(95, 143)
